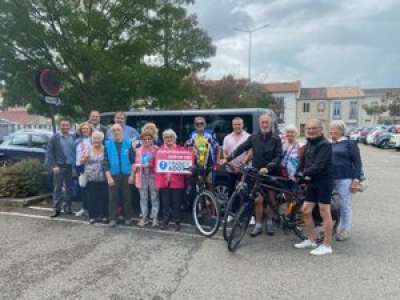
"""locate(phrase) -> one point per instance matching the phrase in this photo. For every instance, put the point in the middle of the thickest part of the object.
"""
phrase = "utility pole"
(250, 32)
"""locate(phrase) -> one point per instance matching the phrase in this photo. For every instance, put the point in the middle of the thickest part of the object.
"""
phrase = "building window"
(336, 110)
(306, 107)
(353, 110)
(321, 107)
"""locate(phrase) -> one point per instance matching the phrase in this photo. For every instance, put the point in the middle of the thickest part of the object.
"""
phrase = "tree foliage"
(103, 49)
(231, 93)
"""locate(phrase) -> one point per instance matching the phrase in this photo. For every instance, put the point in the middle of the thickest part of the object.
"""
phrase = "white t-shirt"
(231, 142)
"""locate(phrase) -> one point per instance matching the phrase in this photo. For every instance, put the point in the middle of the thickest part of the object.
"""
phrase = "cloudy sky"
(320, 42)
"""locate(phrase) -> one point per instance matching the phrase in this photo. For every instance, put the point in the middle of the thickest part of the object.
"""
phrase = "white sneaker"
(82, 212)
(252, 221)
(322, 250)
(306, 244)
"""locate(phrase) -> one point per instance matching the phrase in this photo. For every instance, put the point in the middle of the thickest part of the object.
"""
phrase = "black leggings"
(171, 204)
(97, 199)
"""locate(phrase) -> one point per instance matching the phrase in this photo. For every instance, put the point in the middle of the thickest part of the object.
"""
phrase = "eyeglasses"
(199, 124)
(148, 139)
(313, 128)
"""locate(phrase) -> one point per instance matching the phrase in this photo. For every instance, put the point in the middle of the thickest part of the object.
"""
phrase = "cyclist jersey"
(201, 149)
(205, 148)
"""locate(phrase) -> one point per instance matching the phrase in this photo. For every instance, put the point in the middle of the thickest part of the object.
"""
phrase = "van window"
(220, 125)
(162, 122)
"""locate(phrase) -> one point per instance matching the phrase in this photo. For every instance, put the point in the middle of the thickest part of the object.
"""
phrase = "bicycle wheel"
(230, 213)
(239, 228)
(206, 213)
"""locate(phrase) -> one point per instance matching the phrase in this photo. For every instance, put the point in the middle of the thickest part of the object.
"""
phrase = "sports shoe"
(306, 244)
(143, 222)
(322, 250)
(269, 229)
(112, 223)
(92, 221)
(253, 221)
(155, 223)
(257, 230)
(343, 236)
(81, 213)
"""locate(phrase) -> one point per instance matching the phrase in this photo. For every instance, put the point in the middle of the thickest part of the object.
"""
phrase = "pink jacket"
(173, 181)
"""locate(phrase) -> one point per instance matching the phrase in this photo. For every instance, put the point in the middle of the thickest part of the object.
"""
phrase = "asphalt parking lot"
(55, 259)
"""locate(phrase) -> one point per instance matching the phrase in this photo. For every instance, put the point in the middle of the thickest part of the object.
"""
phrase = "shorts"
(320, 191)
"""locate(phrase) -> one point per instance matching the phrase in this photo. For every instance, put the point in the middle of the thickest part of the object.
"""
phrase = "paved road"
(45, 259)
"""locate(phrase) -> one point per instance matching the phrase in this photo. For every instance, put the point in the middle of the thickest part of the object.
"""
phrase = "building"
(378, 97)
(330, 103)
(287, 94)
(15, 119)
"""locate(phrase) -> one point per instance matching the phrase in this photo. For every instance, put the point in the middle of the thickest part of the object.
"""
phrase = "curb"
(23, 202)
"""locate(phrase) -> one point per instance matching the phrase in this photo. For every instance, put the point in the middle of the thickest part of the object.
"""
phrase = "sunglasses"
(199, 124)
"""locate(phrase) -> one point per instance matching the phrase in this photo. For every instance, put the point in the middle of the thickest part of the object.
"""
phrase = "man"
(119, 157)
(129, 132)
(204, 144)
(317, 165)
(60, 159)
(230, 143)
(267, 152)
(94, 121)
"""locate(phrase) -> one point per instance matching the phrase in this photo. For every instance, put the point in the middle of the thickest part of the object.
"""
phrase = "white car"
(395, 141)
(371, 137)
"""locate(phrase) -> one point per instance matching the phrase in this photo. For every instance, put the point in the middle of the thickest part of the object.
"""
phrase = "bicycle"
(206, 208)
(291, 219)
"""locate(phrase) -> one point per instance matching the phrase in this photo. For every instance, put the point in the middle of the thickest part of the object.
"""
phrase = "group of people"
(109, 161)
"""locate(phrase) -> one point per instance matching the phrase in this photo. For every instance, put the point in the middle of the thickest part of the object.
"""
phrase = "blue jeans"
(343, 188)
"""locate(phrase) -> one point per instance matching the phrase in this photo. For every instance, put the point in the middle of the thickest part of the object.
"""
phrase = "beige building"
(331, 103)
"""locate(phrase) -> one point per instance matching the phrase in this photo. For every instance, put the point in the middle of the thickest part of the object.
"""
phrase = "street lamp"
(250, 32)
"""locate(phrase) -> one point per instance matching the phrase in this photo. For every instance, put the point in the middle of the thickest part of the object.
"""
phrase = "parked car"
(382, 138)
(371, 135)
(355, 134)
(395, 141)
(363, 134)
(25, 144)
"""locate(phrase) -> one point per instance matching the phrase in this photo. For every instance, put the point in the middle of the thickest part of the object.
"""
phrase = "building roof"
(344, 92)
(283, 87)
(331, 93)
(313, 93)
(22, 117)
(381, 92)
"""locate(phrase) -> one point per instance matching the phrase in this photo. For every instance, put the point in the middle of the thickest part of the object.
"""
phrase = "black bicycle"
(289, 218)
(206, 208)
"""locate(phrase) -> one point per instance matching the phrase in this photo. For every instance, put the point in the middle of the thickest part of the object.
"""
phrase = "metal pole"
(250, 42)
(53, 120)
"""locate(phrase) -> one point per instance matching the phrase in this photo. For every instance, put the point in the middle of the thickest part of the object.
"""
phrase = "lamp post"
(250, 32)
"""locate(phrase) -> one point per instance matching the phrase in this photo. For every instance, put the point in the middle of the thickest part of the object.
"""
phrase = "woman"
(145, 180)
(82, 146)
(152, 128)
(347, 173)
(97, 192)
(119, 157)
(292, 153)
(171, 186)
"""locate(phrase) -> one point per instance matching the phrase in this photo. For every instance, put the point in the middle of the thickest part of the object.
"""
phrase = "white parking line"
(124, 227)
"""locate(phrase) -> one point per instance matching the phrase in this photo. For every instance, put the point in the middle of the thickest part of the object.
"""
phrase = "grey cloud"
(318, 42)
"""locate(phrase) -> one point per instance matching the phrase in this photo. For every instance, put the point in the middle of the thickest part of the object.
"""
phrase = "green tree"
(101, 48)
(232, 93)
(374, 110)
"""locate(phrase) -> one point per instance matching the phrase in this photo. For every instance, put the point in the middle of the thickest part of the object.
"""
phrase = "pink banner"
(179, 161)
